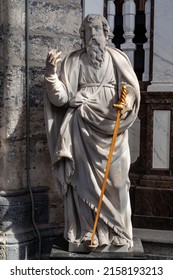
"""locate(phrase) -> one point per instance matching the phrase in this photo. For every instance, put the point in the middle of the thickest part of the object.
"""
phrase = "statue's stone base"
(82, 248)
(137, 252)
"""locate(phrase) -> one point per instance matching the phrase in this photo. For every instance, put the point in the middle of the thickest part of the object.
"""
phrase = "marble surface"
(162, 47)
(152, 235)
(155, 102)
(134, 140)
(152, 188)
(161, 138)
(93, 7)
(153, 208)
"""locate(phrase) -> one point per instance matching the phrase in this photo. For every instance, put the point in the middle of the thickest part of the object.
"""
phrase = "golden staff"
(120, 107)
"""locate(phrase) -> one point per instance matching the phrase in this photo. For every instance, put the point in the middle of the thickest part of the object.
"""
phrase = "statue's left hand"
(53, 58)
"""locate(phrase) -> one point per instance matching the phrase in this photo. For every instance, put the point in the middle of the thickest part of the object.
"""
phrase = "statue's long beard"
(96, 51)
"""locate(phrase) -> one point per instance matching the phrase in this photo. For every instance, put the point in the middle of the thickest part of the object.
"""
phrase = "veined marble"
(162, 48)
(134, 140)
(161, 139)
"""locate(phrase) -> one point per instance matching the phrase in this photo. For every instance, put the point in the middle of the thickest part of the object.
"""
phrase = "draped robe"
(80, 120)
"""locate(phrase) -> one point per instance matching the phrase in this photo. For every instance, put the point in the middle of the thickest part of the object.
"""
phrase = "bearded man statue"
(80, 120)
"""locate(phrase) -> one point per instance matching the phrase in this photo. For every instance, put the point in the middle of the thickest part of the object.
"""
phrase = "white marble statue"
(80, 120)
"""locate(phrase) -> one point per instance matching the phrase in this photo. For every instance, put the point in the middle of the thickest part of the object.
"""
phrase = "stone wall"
(51, 23)
(12, 61)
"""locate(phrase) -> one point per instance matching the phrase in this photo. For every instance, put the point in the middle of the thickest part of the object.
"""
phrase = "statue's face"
(94, 29)
(95, 42)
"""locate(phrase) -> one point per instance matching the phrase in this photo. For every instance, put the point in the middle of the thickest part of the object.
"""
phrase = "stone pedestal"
(162, 74)
(60, 252)
(81, 248)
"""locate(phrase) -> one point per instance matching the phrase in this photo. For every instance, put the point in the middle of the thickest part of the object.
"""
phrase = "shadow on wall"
(18, 238)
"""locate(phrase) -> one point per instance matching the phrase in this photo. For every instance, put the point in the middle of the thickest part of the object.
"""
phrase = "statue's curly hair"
(89, 18)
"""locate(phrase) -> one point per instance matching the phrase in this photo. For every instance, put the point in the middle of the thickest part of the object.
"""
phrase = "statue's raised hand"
(53, 58)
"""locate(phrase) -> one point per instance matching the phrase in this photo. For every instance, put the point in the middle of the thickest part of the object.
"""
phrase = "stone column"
(147, 44)
(12, 171)
(18, 237)
(162, 75)
(111, 12)
(15, 204)
(129, 12)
